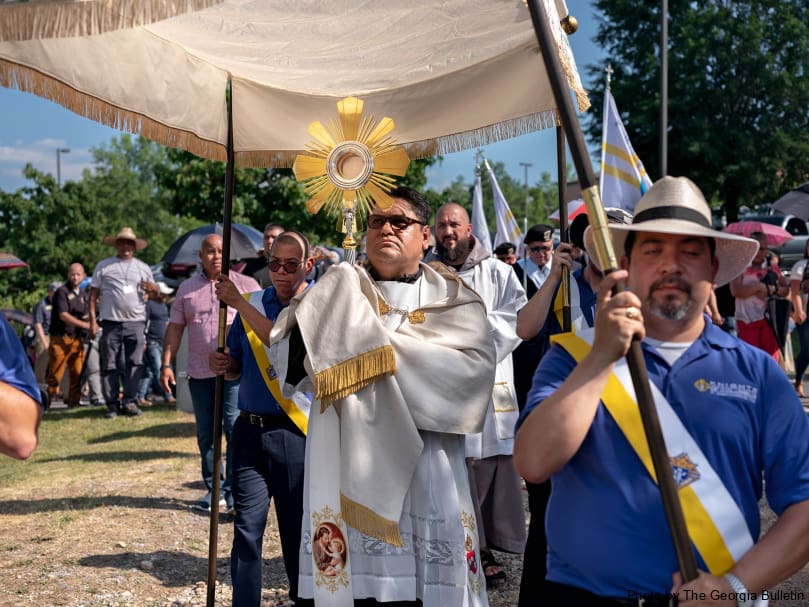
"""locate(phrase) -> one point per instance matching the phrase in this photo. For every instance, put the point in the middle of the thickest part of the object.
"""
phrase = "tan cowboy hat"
(126, 233)
(675, 205)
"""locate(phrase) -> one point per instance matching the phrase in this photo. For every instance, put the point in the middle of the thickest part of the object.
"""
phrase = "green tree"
(195, 187)
(738, 92)
(50, 227)
(542, 196)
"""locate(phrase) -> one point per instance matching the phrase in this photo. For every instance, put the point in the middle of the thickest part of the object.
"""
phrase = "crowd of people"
(393, 409)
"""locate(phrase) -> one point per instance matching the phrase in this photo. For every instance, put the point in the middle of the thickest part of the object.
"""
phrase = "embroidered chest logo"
(728, 389)
(702, 385)
(684, 470)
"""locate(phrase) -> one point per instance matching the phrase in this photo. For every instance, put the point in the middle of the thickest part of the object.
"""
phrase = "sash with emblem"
(716, 525)
(297, 407)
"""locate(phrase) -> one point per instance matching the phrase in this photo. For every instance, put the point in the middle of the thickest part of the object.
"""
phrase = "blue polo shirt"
(15, 368)
(606, 528)
(254, 396)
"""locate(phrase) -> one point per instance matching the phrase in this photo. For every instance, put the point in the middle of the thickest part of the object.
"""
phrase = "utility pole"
(59, 152)
(664, 88)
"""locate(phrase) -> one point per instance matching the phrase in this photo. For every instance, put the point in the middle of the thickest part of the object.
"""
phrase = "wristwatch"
(166, 367)
(743, 597)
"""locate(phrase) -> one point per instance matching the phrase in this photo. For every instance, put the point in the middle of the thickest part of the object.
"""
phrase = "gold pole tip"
(570, 24)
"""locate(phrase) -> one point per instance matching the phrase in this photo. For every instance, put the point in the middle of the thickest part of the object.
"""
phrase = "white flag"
(507, 228)
(480, 229)
(623, 178)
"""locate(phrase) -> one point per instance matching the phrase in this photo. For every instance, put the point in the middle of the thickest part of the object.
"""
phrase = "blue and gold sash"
(715, 523)
(298, 411)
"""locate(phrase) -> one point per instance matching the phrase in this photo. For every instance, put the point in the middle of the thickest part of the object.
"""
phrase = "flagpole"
(525, 165)
(604, 125)
(561, 177)
(607, 260)
(219, 386)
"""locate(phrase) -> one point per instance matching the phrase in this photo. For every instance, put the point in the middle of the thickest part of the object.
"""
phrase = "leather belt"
(261, 421)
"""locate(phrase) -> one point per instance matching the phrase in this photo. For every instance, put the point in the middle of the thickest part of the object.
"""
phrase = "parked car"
(789, 253)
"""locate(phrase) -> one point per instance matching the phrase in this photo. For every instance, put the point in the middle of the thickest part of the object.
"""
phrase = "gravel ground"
(134, 541)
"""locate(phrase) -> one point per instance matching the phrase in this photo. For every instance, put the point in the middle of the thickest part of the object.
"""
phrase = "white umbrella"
(33, 19)
(452, 75)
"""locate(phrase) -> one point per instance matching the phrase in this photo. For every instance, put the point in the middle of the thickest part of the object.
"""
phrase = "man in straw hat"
(118, 307)
(729, 417)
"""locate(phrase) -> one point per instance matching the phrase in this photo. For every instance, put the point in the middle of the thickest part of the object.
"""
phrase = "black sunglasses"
(290, 266)
(397, 222)
(538, 249)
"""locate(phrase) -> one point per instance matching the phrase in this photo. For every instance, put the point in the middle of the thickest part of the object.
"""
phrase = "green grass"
(80, 442)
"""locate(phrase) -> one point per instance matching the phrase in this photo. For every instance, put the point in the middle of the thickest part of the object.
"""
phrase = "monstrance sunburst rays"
(349, 166)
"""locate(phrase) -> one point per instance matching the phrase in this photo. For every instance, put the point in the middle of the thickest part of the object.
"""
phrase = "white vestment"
(438, 559)
(501, 291)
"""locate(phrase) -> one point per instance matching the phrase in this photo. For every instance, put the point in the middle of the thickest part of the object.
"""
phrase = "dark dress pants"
(534, 564)
(121, 348)
(267, 464)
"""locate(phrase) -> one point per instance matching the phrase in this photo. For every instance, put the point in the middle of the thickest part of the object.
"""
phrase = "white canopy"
(31, 19)
(452, 74)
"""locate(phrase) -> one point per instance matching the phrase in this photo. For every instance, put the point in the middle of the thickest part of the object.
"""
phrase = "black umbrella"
(245, 241)
(794, 202)
(777, 315)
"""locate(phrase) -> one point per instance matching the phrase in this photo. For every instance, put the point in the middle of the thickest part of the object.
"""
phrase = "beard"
(459, 251)
(670, 307)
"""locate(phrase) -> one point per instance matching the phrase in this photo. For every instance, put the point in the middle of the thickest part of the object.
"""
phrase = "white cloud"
(52, 143)
(42, 155)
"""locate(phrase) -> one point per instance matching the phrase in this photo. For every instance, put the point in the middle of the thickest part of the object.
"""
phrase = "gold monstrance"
(348, 167)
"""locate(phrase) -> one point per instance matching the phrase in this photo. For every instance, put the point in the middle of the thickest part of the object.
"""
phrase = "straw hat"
(675, 205)
(164, 288)
(126, 233)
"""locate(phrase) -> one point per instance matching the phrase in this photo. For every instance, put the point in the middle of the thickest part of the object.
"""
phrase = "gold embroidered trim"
(353, 374)
(366, 521)
(416, 317)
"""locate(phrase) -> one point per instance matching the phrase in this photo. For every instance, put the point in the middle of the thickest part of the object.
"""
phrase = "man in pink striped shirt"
(197, 308)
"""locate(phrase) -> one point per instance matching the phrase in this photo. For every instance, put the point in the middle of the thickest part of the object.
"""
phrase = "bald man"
(196, 308)
(493, 479)
(69, 326)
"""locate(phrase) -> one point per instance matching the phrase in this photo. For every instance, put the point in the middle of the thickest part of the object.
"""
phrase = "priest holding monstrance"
(400, 361)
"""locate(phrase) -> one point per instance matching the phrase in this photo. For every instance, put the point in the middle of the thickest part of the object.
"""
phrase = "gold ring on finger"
(631, 312)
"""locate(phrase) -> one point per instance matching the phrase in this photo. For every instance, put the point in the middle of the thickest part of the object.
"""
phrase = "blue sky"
(31, 129)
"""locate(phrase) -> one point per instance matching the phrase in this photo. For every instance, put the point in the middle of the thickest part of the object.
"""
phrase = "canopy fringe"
(29, 80)
(65, 18)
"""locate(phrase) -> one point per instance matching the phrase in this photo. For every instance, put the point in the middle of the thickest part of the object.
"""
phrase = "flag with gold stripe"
(623, 178)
